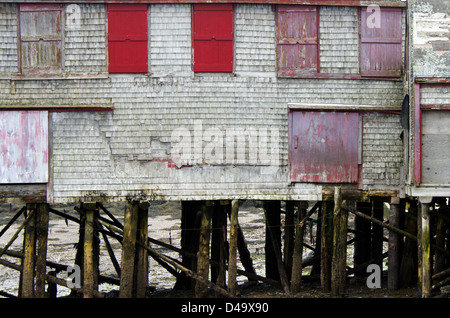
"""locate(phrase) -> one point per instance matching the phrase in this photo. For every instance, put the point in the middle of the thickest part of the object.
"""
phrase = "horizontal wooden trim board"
(61, 108)
(359, 3)
(343, 107)
(432, 80)
(435, 106)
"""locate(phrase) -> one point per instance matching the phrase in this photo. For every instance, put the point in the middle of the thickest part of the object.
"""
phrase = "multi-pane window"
(127, 38)
(213, 37)
(40, 38)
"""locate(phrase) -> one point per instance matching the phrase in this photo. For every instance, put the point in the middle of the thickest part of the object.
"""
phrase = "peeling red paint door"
(23, 147)
(40, 36)
(323, 147)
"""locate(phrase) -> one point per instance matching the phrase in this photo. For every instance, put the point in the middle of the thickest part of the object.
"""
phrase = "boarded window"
(436, 147)
(127, 38)
(381, 42)
(40, 38)
(213, 37)
(297, 35)
(23, 147)
(323, 146)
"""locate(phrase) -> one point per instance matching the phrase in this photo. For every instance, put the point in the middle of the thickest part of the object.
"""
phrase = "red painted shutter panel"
(323, 147)
(381, 48)
(127, 38)
(297, 33)
(213, 38)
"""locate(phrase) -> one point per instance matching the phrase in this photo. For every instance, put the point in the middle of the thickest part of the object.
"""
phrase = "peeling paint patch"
(23, 147)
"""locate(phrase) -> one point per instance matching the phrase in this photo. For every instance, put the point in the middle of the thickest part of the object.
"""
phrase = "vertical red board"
(381, 47)
(213, 37)
(23, 147)
(323, 147)
(297, 34)
(417, 136)
(127, 38)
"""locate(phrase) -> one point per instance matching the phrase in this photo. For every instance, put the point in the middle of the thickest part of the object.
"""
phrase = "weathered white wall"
(128, 152)
(430, 29)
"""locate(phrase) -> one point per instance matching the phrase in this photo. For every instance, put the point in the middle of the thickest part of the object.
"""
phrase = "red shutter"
(213, 38)
(323, 146)
(297, 33)
(127, 38)
(381, 48)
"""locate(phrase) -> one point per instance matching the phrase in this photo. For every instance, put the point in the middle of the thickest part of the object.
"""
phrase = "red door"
(323, 147)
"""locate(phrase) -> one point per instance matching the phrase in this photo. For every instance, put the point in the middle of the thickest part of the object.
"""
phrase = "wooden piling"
(362, 238)
(408, 266)
(244, 253)
(42, 219)
(201, 290)
(90, 279)
(338, 264)
(297, 264)
(326, 245)
(33, 275)
(442, 220)
(273, 238)
(27, 280)
(218, 239)
(424, 244)
(377, 233)
(128, 249)
(141, 268)
(394, 245)
(232, 265)
(188, 242)
(134, 263)
(289, 235)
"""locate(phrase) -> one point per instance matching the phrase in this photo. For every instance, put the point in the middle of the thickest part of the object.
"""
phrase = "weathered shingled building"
(122, 110)
(105, 101)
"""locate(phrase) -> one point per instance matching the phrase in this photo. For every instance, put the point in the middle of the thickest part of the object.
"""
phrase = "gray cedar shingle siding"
(126, 152)
(8, 39)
